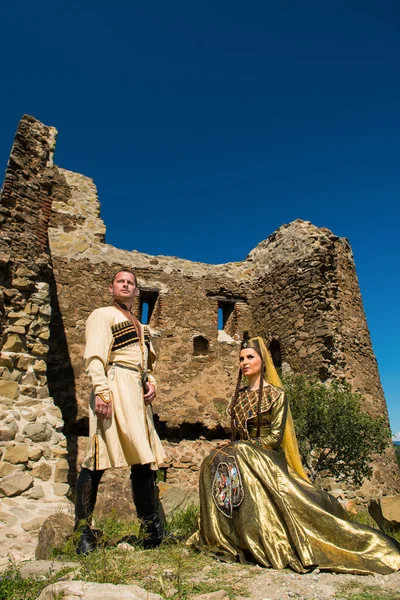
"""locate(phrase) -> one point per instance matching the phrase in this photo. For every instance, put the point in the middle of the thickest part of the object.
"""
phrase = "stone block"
(35, 453)
(23, 362)
(40, 366)
(386, 512)
(15, 484)
(37, 432)
(16, 454)
(93, 591)
(61, 489)
(6, 469)
(9, 389)
(42, 471)
(6, 361)
(35, 493)
(39, 349)
(61, 473)
(6, 435)
(23, 283)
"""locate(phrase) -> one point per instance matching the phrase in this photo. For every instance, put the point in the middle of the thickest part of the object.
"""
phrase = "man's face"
(123, 289)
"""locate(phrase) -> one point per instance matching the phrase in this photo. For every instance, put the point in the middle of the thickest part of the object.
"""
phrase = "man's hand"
(102, 409)
(150, 394)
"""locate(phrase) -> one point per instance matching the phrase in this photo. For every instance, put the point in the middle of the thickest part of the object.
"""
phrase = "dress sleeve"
(278, 422)
(98, 343)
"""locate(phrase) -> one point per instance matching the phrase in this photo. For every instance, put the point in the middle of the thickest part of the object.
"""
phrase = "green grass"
(173, 570)
(357, 591)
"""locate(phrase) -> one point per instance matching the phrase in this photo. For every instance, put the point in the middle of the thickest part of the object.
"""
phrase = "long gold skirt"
(284, 521)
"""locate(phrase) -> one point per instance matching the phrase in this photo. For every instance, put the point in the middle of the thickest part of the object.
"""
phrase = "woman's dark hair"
(124, 270)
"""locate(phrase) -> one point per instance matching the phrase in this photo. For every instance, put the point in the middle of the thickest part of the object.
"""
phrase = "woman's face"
(250, 362)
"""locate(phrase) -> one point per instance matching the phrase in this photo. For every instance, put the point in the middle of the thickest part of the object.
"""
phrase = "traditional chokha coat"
(115, 357)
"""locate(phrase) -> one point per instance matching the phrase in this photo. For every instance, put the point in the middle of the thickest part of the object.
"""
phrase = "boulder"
(54, 533)
(71, 590)
(386, 512)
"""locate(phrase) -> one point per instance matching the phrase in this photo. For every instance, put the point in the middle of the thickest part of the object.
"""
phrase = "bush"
(335, 433)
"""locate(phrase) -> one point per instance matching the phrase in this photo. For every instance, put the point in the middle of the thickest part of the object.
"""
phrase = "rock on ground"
(386, 512)
(53, 534)
(76, 590)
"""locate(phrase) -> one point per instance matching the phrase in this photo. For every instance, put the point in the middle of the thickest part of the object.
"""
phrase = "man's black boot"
(85, 500)
(147, 508)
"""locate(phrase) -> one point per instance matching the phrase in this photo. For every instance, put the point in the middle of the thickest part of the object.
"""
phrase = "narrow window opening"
(147, 306)
(276, 354)
(200, 346)
(225, 316)
(145, 313)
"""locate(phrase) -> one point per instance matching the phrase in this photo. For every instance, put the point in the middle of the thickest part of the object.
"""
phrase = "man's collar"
(122, 306)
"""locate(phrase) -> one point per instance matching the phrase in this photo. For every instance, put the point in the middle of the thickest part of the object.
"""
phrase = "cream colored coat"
(129, 436)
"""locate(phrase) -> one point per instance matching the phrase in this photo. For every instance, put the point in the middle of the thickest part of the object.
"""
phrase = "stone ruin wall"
(298, 288)
(32, 443)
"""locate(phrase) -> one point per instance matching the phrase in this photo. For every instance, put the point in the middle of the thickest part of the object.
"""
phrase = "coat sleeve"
(278, 422)
(97, 350)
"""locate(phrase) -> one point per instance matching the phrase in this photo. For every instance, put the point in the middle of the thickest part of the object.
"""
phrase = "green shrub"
(335, 433)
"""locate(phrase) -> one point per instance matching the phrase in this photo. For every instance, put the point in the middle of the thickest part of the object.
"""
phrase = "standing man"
(118, 355)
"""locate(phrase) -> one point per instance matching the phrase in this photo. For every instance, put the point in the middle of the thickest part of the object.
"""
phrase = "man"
(118, 355)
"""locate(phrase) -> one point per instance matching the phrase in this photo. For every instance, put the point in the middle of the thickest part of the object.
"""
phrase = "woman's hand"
(150, 394)
(102, 409)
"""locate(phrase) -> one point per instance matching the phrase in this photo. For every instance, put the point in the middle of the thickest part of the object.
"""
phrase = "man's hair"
(124, 270)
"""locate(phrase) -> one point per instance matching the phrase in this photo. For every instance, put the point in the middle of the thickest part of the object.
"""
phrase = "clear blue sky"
(206, 125)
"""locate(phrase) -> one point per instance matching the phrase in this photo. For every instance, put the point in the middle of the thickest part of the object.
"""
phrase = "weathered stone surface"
(6, 435)
(53, 534)
(15, 484)
(13, 343)
(34, 453)
(9, 389)
(35, 493)
(6, 469)
(39, 568)
(37, 432)
(61, 473)
(61, 489)
(386, 512)
(16, 454)
(71, 590)
(43, 471)
(176, 498)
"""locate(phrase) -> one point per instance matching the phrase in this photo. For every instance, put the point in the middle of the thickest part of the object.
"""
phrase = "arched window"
(275, 350)
(200, 346)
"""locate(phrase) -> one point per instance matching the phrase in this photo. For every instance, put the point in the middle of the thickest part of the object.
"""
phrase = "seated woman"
(256, 502)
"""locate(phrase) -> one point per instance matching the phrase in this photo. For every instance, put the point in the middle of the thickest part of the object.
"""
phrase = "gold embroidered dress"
(255, 506)
(115, 356)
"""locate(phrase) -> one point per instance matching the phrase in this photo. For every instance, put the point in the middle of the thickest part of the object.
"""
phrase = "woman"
(256, 502)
